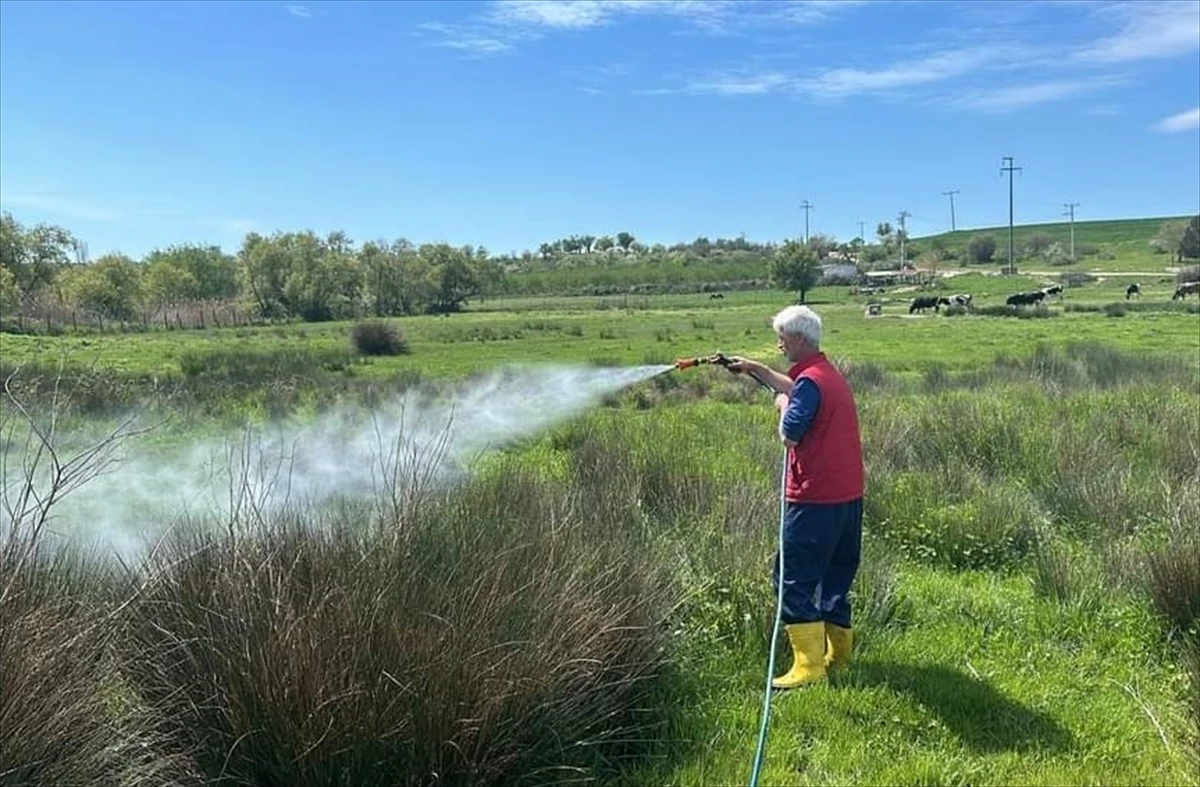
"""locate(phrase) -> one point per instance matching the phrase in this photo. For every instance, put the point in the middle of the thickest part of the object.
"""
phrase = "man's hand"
(738, 364)
(781, 401)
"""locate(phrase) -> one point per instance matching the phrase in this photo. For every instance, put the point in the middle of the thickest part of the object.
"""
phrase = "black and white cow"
(928, 302)
(1053, 289)
(1025, 298)
(1191, 288)
(1132, 290)
(962, 299)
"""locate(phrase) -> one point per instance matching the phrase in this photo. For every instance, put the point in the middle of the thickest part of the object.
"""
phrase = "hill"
(1097, 232)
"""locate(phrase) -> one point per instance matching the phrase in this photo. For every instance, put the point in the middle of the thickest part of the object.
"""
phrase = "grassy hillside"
(1108, 231)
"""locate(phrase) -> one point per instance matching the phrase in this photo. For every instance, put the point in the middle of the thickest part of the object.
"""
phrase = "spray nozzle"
(688, 363)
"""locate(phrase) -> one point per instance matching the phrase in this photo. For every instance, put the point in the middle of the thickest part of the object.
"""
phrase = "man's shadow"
(980, 716)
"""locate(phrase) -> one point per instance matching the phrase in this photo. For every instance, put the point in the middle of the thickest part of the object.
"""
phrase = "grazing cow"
(1025, 298)
(963, 300)
(1053, 289)
(921, 304)
(1191, 288)
(716, 295)
(1132, 290)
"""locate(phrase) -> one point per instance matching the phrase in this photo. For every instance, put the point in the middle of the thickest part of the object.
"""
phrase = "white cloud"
(1184, 121)
(506, 22)
(1014, 97)
(465, 39)
(582, 14)
(1148, 30)
(843, 82)
(742, 84)
(64, 206)
(299, 10)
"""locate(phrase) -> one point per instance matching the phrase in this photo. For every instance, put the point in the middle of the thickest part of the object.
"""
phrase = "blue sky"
(141, 124)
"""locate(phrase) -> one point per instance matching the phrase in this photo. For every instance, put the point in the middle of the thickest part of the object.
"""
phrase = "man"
(822, 536)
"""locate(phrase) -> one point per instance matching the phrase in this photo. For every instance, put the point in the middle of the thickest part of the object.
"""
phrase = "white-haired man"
(822, 537)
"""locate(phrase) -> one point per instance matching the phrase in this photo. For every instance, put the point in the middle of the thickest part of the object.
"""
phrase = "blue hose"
(766, 707)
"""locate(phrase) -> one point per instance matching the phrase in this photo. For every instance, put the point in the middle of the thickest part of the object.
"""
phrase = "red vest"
(826, 466)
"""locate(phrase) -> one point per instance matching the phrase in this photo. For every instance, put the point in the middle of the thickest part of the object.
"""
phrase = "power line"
(1010, 169)
(807, 206)
(903, 215)
(951, 194)
(1071, 206)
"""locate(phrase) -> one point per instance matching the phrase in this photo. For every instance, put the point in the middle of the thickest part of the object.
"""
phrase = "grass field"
(590, 601)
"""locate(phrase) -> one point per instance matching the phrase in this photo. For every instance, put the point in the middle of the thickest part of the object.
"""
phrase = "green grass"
(606, 580)
(986, 684)
(653, 329)
(1123, 244)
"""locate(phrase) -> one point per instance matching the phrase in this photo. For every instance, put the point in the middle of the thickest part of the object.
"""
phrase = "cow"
(1191, 288)
(927, 302)
(1053, 289)
(963, 299)
(1025, 298)
(1131, 290)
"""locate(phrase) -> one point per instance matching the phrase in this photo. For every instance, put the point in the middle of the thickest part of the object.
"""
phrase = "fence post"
(74, 324)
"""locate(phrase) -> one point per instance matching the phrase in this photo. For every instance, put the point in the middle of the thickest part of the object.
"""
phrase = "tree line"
(302, 275)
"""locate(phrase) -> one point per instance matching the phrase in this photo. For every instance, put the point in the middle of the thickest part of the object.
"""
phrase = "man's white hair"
(799, 321)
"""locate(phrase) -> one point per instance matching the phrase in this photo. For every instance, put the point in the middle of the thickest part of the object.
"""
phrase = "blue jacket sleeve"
(802, 409)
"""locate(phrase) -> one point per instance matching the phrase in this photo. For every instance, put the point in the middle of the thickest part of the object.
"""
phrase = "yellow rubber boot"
(841, 643)
(808, 655)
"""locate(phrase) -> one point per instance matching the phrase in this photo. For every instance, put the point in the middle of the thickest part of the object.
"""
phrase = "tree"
(885, 233)
(795, 267)
(604, 243)
(822, 245)
(625, 240)
(32, 255)
(1189, 244)
(111, 286)
(1169, 237)
(981, 249)
(190, 273)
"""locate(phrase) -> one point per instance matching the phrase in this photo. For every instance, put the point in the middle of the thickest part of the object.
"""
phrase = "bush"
(66, 717)
(376, 337)
(489, 638)
(1004, 310)
(1076, 278)
(1174, 579)
(981, 249)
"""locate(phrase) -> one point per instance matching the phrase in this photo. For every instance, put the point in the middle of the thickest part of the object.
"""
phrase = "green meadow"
(589, 602)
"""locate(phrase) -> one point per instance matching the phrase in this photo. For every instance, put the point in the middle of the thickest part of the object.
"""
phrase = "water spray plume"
(348, 452)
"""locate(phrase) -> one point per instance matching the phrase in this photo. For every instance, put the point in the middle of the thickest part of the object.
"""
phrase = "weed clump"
(376, 337)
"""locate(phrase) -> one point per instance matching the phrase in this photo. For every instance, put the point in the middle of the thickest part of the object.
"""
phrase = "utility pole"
(807, 206)
(1071, 206)
(862, 231)
(903, 215)
(1010, 169)
(951, 194)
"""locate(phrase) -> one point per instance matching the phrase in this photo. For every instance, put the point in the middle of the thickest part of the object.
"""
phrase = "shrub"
(487, 639)
(1174, 582)
(66, 717)
(1076, 278)
(1021, 313)
(376, 337)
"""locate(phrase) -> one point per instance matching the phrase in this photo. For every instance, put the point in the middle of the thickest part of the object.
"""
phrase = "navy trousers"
(822, 545)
